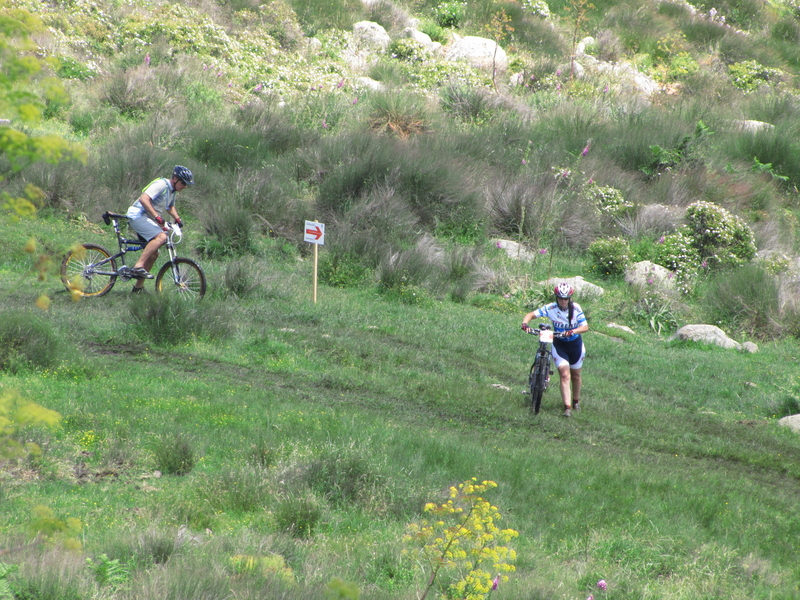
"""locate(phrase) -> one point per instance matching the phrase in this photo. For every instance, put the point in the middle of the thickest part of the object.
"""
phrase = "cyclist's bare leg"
(576, 386)
(565, 379)
(149, 255)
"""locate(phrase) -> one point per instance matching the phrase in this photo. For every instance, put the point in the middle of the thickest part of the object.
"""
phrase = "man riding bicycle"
(146, 220)
(568, 349)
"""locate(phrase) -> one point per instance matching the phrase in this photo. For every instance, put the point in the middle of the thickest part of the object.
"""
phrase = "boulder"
(370, 84)
(751, 126)
(792, 422)
(583, 289)
(371, 35)
(650, 275)
(707, 334)
(479, 52)
(621, 327)
(750, 347)
(515, 250)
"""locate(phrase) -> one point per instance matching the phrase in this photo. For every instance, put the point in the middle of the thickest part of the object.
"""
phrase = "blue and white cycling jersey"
(570, 349)
(560, 318)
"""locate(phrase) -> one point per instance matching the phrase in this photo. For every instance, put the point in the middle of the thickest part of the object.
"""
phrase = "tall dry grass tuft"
(53, 575)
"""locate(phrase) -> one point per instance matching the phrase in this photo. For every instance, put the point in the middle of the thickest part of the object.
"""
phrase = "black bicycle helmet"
(563, 290)
(184, 174)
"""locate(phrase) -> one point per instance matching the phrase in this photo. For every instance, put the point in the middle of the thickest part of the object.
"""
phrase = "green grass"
(317, 431)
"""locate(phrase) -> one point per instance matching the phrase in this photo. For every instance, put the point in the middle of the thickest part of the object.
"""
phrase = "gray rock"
(514, 250)
(583, 289)
(707, 334)
(371, 35)
(750, 347)
(792, 422)
(751, 126)
(479, 52)
(651, 275)
(622, 327)
(370, 84)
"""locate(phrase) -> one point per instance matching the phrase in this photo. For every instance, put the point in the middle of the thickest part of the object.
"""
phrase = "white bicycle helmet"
(563, 290)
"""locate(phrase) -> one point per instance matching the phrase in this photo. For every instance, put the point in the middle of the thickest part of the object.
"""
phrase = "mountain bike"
(91, 271)
(540, 372)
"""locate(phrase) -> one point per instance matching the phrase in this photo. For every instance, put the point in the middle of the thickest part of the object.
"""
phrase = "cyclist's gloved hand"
(179, 223)
(525, 327)
(569, 333)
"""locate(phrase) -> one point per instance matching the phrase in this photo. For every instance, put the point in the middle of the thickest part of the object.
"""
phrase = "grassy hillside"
(259, 445)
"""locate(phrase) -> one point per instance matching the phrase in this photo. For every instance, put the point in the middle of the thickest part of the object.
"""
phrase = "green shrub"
(749, 75)
(408, 50)
(345, 478)
(242, 277)
(170, 320)
(449, 14)
(174, 454)
(608, 200)
(469, 104)
(676, 253)
(342, 269)
(745, 299)
(298, 516)
(720, 238)
(28, 342)
(611, 255)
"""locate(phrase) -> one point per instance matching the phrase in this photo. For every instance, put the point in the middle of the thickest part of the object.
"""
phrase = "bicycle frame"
(126, 245)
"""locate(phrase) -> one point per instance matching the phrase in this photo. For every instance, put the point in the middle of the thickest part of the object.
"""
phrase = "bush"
(676, 253)
(449, 14)
(342, 269)
(745, 299)
(611, 255)
(170, 320)
(749, 75)
(720, 238)
(174, 454)
(28, 342)
(608, 200)
(408, 50)
(298, 516)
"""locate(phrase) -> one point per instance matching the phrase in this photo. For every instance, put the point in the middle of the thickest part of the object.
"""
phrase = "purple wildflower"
(324, 124)
(542, 250)
(524, 162)
(585, 151)
(499, 245)
(355, 100)
(602, 585)
(649, 282)
(258, 88)
(605, 89)
(147, 59)
(496, 582)
(661, 239)
(704, 264)
(340, 84)
(558, 72)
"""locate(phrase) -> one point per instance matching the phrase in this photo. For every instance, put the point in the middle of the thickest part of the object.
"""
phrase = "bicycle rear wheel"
(187, 279)
(78, 273)
(538, 381)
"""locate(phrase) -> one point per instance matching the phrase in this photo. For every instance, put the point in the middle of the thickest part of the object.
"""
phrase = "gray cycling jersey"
(162, 196)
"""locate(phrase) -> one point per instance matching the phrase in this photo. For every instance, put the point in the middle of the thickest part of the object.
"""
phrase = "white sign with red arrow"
(314, 233)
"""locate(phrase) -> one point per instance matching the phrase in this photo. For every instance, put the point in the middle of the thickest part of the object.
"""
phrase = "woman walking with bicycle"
(568, 349)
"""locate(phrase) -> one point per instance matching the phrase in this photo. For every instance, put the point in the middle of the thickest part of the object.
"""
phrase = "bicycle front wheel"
(182, 276)
(538, 381)
(81, 275)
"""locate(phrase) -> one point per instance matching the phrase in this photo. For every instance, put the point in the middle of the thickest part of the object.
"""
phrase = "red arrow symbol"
(316, 232)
